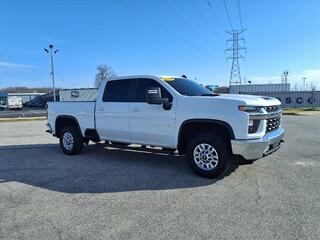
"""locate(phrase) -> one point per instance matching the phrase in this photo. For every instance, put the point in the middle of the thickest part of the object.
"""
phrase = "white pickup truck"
(172, 113)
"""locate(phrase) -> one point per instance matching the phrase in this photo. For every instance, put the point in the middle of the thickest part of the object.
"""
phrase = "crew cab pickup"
(174, 114)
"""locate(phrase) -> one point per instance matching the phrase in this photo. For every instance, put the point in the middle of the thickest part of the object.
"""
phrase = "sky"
(157, 37)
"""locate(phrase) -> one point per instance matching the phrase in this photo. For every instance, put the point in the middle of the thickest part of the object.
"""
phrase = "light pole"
(52, 53)
(304, 83)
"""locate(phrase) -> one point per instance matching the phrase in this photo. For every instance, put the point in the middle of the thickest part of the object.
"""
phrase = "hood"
(250, 100)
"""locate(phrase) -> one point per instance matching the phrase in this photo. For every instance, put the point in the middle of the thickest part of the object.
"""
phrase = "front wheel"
(71, 141)
(208, 154)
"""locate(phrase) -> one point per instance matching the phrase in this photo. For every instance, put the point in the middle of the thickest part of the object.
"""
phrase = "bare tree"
(223, 89)
(20, 89)
(104, 72)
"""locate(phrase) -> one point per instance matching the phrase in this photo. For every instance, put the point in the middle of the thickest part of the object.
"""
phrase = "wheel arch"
(66, 120)
(192, 127)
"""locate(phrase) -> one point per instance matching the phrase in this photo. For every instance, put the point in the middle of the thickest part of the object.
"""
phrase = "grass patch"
(292, 111)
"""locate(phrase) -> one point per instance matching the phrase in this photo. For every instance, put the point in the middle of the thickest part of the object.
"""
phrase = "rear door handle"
(101, 108)
(135, 109)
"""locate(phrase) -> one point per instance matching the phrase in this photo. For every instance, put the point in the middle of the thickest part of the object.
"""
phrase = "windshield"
(188, 87)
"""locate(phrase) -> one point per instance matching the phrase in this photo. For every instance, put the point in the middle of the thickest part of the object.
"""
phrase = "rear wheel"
(71, 141)
(208, 155)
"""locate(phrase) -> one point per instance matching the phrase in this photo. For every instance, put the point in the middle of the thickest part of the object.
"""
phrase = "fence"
(83, 94)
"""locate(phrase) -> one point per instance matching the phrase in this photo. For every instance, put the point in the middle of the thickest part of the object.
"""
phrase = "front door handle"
(101, 108)
(135, 109)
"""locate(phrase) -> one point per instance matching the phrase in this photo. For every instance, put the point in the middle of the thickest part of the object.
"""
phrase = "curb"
(290, 113)
(22, 119)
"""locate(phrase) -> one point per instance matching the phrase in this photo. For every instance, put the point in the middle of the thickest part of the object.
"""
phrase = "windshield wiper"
(210, 94)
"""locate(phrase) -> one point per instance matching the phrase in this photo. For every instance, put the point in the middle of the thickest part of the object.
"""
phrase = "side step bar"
(141, 148)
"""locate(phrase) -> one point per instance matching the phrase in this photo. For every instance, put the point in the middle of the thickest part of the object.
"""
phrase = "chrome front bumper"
(257, 148)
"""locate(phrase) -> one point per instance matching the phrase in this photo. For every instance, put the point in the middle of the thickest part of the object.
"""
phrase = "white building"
(252, 88)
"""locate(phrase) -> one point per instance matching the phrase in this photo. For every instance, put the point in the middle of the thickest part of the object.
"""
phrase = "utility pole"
(313, 99)
(237, 45)
(52, 53)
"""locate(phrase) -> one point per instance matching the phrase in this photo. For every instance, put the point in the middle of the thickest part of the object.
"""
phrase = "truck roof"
(143, 76)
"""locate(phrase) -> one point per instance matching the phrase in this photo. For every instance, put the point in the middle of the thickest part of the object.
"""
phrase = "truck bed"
(82, 111)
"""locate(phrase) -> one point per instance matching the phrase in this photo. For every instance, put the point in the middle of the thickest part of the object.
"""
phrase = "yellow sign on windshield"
(167, 78)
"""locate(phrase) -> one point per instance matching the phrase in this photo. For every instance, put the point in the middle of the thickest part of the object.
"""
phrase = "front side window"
(141, 90)
(117, 91)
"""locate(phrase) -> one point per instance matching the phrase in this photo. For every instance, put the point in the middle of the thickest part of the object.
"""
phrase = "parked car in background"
(212, 88)
(3, 106)
(14, 103)
(34, 104)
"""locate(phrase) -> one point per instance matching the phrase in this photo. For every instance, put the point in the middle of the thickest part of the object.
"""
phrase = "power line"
(241, 27)
(203, 18)
(213, 11)
(240, 15)
(172, 33)
(225, 6)
(191, 29)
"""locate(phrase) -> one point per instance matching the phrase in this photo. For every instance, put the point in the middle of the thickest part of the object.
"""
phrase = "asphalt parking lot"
(115, 194)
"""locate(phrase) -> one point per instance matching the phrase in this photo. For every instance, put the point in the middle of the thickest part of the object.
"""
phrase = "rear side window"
(141, 88)
(117, 91)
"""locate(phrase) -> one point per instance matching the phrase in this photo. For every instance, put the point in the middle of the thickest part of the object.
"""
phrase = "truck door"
(151, 124)
(112, 111)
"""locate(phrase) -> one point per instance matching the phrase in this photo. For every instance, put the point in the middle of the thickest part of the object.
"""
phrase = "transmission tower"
(236, 45)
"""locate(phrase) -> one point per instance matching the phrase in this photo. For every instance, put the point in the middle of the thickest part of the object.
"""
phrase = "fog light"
(253, 125)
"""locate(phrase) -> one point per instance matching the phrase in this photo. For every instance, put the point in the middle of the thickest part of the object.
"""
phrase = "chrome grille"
(272, 108)
(273, 123)
(274, 117)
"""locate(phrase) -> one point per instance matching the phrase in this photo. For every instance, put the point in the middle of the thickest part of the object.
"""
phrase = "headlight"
(249, 109)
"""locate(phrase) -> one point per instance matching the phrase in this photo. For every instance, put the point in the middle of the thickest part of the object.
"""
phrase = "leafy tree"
(104, 72)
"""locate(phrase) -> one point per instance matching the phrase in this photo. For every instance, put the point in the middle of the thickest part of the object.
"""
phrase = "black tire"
(78, 140)
(220, 146)
(242, 161)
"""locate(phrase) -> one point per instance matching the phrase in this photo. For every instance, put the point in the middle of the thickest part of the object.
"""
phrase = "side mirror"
(154, 95)
(166, 104)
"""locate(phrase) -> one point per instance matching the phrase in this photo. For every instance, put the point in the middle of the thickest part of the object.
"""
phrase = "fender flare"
(200, 120)
(66, 117)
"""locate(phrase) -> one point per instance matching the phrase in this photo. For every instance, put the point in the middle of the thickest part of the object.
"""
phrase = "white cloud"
(294, 78)
(265, 79)
(8, 65)
(309, 74)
